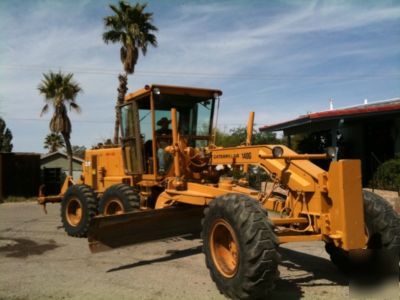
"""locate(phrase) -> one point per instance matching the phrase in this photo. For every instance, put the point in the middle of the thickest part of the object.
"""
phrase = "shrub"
(387, 176)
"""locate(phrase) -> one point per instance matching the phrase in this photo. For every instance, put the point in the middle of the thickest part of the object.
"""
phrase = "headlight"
(277, 151)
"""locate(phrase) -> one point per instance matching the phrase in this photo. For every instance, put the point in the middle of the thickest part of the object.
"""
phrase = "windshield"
(146, 133)
(194, 116)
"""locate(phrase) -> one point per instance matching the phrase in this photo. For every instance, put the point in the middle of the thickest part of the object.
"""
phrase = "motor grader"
(163, 182)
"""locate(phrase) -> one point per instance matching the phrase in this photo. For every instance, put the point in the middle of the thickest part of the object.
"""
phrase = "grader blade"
(110, 232)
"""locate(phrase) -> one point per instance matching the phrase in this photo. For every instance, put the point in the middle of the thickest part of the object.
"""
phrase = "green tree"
(78, 151)
(5, 137)
(60, 90)
(131, 27)
(53, 142)
(237, 136)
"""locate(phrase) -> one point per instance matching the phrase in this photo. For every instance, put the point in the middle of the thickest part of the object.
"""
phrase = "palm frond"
(116, 10)
(152, 39)
(123, 6)
(56, 123)
(112, 36)
(123, 54)
(60, 123)
(76, 107)
(114, 22)
(132, 27)
(59, 89)
(67, 78)
(45, 109)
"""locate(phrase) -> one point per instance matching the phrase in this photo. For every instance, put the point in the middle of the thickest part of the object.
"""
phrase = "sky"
(280, 59)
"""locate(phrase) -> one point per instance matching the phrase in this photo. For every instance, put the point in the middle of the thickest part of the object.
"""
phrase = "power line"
(104, 71)
(73, 121)
(105, 121)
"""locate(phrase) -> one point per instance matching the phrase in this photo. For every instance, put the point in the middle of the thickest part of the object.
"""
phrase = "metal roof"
(375, 108)
(170, 89)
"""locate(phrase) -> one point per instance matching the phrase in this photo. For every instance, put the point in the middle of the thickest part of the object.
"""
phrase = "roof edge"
(148, 88)
(47, 155)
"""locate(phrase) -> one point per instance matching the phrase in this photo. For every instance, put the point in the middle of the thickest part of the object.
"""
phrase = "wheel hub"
(114, 207)
(224, 248)
(74, 212)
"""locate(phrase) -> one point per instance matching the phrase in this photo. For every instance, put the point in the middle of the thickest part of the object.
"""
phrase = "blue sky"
(278, 58)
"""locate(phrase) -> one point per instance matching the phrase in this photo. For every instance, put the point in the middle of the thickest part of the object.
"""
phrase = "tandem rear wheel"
(118, 199)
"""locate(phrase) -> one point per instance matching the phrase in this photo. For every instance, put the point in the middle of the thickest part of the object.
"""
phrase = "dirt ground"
(39, 261)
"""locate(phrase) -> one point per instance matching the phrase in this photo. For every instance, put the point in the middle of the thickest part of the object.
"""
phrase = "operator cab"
(146, 125)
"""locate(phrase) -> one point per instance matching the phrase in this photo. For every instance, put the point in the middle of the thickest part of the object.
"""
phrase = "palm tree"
(53, 142)
(60, 90)
(132, 28)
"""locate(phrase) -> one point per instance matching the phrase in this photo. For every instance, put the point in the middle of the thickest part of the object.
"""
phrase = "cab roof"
(170, 89)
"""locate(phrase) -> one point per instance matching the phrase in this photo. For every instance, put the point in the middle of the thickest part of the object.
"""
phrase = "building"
(19, 175)
(54, 169)
(370, 132)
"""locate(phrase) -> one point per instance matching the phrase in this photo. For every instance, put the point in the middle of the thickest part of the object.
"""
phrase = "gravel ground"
(39, 261)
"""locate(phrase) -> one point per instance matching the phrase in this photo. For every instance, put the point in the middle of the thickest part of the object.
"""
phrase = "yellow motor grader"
(168, 178)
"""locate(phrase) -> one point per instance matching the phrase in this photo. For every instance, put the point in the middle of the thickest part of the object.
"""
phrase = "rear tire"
(240, 247)
(118, 199)
(383, 225)
(78, 207)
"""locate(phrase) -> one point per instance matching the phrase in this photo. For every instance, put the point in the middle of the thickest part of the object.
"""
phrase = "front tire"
(78, 207)
(240, 247)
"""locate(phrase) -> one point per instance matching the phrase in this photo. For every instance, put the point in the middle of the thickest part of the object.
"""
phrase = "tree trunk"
(69, 152)
(122, 89)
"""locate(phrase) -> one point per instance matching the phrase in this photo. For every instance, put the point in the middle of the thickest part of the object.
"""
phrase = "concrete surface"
(39, 261)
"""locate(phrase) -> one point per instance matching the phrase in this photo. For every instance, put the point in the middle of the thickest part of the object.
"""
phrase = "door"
(131, 139)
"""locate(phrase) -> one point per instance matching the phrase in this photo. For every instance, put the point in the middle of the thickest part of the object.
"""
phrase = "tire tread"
(86, 195)
(380, 218)
(259, 243)
(125, 193)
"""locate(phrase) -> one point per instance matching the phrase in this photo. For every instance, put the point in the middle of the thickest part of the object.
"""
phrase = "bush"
(387, 176)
